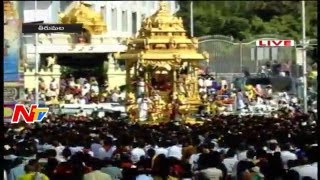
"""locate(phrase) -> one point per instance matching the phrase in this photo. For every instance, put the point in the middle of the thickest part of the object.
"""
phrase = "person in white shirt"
(202, 87)
(194, 161)
(309, 165)
(137, 152)
(95, 147)
(230, 160)
(286, 155)
(224, 83)
(140, 87)
(107, 150)
(208, 83)
(71, 82)
(85, 88)
(143, 104)
(68, 97)
(273, 146)
(115, 96)
(95, 87)
(59, 148)
(5, 175)
(144, 177)
(75, 149)
(161, 149)
(81, 80)
(175, 151)
(82, 100)
(306, 170)
(54, 86)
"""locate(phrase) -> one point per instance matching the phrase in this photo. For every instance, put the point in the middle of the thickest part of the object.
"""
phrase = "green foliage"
(247, 19)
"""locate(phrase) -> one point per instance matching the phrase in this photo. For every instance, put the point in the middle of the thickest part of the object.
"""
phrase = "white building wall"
(43, 12)
(147, 8)
(48, 12)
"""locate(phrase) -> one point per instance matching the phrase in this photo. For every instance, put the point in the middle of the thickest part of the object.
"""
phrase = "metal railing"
(228, 56)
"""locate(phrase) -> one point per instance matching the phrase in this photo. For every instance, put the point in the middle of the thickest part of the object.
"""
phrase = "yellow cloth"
(172, 178)
(31, 176)
(313, 74)
(248, 87)
(97, 175)
(214, 108)
(169, 178)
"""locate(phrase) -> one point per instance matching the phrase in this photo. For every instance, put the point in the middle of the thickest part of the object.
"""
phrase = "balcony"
(69, 39)
(73, 43)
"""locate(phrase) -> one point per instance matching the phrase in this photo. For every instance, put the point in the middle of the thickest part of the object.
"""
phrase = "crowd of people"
(75, 91)
(281, 146)
(275, 68)
(225, 147)
(221, 96)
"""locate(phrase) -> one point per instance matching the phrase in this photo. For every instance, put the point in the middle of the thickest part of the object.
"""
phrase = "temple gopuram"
(81, 14)
(162, 65)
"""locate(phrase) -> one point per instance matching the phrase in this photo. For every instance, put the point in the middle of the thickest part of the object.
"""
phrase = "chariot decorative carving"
(9, 10)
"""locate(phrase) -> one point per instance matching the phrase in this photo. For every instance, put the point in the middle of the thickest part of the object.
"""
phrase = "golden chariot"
(167, 62)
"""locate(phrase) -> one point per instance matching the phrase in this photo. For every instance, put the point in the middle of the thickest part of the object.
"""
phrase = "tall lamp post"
(304, 58)
(191, 18)
(36, 57)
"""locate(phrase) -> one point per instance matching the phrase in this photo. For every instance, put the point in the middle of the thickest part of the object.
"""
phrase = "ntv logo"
(34, 114)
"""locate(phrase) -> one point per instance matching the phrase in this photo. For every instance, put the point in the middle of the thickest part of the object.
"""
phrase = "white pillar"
(36, 58)
(191, 18)
(304, 59)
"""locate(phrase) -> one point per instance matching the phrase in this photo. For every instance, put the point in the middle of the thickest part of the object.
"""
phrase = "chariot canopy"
(159, 54)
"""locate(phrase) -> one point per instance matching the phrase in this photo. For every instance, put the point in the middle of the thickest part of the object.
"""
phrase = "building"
(121, 18)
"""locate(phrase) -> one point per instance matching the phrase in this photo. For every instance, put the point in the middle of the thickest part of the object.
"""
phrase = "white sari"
(143, 104)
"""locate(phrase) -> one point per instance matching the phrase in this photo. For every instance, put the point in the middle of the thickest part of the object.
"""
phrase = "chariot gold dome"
(163, 19)
(162, 41)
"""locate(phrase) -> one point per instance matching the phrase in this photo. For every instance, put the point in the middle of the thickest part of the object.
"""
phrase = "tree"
(246, 19)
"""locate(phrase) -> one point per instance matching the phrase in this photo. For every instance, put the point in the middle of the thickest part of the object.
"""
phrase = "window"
(64, 5)
(124, 21)
(274, 53)
(266, 53)
(114, 19)
(253, 53)
(134, 23)
(263, 53)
